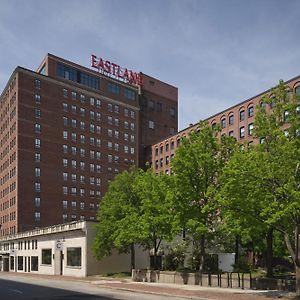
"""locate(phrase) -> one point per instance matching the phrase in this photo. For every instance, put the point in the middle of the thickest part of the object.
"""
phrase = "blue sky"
(217, 52)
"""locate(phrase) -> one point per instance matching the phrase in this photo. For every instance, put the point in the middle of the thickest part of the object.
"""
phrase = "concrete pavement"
(173, 290)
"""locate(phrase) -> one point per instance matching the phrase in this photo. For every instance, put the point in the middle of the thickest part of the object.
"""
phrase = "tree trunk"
(132, 253)
(269, 254)
(237, 247)
(202, 253)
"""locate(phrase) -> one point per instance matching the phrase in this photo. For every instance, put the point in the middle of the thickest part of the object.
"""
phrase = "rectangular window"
(250, 129)
(37, 216)
(37, 201)
(242, 115)
(129, 94)
(74, 257)
(223, 123)
(34, 263)
(37, 99)
(242, 132)
(20, 263)
(65, 93)
(151, 124)
(250, 111)
(37, 113)
(113, 88)
(46, 256)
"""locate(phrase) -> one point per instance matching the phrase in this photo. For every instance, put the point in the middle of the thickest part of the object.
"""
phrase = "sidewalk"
(192, 291)
(175, 290)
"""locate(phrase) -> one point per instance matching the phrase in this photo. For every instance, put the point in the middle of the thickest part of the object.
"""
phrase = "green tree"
(268, 176)
(135, 210)
(119, 202)
(197, 166)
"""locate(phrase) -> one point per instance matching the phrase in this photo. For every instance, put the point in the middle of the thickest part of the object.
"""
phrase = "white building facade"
(64, 249)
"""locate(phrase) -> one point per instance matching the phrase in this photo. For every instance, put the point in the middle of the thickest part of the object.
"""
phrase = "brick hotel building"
(235, 121)
(65, 132)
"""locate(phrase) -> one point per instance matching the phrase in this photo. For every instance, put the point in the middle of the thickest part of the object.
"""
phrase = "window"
(37, 113)
(37, 99)
(46, 256)
(65, 135)
(109, 107)
(98, 129)
(126, 112)
(213, 125)
(74, 177)
(37, 216)
(65, 190)
(65, 162)
(74, 123)
(129, 94)
(37, 83)
(12, 263)
(98, 116)
(151, 124)
(132, 114)
(113, 88)
(250, 111)
(74, 95)
(74, 257)
(132, 126)
(37, 128)
(132, 138)
(263, 106)
(74, 137)
(34, 263)
(223, 123)
(172, 112)
(242, 132)
(98, 103)
(126, 136)
(82, 112)
(92, 115)
(37, 172)
(65, 204)
(82, 139)
(82, 152)
(231, 119)
(231, 133)
(297, 90)
(37, 201)
(109, 120)
(116, 122)
(37, 187)
(37, 157)
(20, 262)
(65, 119)
(126, 125)
(65, 107)
(65, 93)
(250, 129)
(73, 204)
(125, 149)
(74, 109)
(74, 150)
(242, 115)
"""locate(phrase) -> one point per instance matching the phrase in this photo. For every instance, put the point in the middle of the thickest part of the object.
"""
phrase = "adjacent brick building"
(65, 132)
(235, 121)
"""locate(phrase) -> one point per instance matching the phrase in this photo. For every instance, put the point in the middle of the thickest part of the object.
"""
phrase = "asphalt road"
(24, 288)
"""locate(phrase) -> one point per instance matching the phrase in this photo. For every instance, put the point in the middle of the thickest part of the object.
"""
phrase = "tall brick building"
(235, 121)
(66, 131)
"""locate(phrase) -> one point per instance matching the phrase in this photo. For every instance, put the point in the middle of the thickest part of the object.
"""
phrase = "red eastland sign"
(116, 71)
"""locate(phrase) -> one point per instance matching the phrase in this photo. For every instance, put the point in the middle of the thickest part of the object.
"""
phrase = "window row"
(74, 191)
(81, 206)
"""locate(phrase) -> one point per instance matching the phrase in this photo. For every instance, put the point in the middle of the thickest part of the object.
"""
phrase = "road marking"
(16, 291)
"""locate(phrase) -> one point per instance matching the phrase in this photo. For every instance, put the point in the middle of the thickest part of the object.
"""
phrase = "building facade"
(236, 121)
(64, 249)
(65, 132)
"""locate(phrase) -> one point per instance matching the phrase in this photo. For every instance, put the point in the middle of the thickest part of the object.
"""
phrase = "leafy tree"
(135, 210)
(156, 219)
(119, 202)
(197, 166)
(268, 176)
